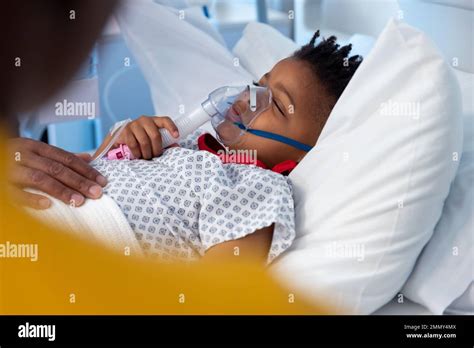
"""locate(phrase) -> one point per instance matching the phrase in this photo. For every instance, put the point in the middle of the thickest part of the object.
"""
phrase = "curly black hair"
(330, 62)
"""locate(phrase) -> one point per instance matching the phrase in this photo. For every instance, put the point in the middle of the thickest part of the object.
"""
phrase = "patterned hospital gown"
(186, 201)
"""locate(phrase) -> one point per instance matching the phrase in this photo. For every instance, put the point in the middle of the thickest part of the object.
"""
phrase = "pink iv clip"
(121, 152)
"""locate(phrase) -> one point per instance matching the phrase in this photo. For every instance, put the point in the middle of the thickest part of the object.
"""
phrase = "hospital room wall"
(231, 17)
(447, 22)
(342, 18)
(75, 133)
(123, 91)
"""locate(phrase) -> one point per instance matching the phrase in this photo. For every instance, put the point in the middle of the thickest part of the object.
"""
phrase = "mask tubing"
(186, 125)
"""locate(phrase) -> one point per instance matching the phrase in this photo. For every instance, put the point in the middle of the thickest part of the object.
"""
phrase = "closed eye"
(255, 83)
(278, 106)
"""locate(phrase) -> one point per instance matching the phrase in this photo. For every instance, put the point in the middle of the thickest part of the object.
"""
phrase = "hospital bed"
(333, 17)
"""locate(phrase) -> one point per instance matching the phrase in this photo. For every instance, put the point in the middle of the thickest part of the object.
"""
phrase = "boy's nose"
(243, 110)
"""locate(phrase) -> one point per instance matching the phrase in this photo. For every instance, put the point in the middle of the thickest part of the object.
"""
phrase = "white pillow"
(261, 47)
(180, 54)
(445, 268)
(369, 194)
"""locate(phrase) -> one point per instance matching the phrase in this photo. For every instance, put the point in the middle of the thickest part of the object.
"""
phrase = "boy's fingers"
(154, 135)
(143, 140)
(168, 124)
(133, 145)
(143, 137)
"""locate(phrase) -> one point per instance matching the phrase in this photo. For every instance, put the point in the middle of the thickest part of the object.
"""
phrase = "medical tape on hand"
(117, 130)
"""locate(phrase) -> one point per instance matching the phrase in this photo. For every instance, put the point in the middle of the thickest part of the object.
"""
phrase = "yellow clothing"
(72, 276)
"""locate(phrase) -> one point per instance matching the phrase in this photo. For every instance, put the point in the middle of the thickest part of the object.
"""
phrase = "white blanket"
(98, 220)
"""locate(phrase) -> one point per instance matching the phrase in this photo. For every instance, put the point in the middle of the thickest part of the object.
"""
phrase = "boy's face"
(298, 100)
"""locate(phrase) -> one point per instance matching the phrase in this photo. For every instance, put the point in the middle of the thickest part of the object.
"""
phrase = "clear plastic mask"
(239, 105)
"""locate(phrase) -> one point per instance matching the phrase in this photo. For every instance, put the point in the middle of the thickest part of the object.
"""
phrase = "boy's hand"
(143, 137)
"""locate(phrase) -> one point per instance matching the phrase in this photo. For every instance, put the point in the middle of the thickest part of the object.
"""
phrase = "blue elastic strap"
(205, 10)
(276, 137)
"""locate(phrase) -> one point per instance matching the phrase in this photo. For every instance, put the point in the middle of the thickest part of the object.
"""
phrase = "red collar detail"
(207, 142)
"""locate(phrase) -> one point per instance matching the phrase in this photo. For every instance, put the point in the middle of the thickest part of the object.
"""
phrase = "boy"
(190, 203)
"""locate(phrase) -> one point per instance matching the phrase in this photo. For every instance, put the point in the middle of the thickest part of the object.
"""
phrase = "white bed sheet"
(406, 308)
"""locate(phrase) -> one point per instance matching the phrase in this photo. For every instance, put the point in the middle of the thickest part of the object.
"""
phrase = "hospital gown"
(186, 201)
